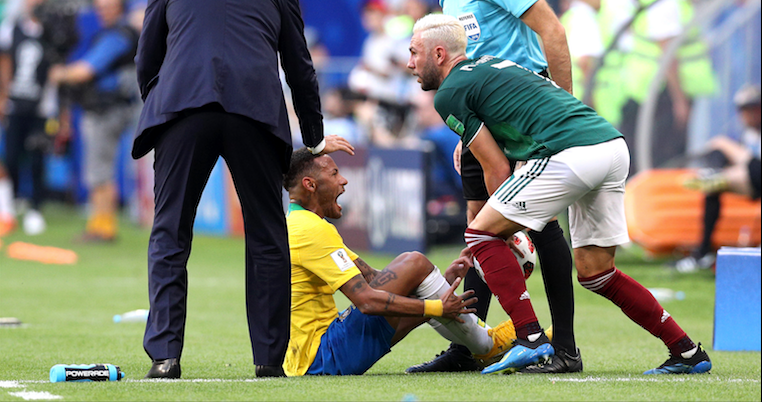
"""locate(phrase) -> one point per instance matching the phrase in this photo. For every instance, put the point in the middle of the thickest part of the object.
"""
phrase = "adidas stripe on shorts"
(589, 180)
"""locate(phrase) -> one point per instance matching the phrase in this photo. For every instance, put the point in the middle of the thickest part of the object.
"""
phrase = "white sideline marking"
(34, 395)
(662, 378)
(197, 380)
(28, 395)
(680, 378)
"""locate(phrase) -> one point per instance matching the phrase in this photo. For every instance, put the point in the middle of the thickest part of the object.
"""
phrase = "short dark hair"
(302, 163)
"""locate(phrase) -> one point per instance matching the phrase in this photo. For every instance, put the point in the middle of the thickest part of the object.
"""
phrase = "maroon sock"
(503, 275)
(640, 305)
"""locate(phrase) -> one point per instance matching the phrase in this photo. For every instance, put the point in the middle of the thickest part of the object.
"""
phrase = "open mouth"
(337, 199)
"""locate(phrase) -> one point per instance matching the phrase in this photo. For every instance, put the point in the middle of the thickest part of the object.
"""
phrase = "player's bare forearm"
(378, 302)
(559, 61)
(541, 18)
(368, 272)
(496, 166)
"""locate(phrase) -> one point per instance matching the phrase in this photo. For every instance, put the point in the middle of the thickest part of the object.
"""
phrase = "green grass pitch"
(67, 313)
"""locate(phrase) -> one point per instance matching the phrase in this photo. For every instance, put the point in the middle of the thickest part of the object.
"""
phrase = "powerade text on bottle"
(85, 372)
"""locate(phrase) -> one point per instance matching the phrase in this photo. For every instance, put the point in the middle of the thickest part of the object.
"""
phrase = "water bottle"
(85, 372)
(665, 294)
(140, 315)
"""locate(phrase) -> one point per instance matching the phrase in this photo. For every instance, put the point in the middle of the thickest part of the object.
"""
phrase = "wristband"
(433, 308)
(317, 148)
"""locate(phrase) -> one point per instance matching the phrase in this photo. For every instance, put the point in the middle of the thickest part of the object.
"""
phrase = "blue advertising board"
(384, 203)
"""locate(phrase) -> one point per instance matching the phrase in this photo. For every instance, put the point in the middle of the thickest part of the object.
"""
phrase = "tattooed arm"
(378, 302)
(368, 272)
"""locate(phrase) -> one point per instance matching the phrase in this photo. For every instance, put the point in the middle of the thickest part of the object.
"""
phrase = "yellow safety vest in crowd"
(608, 94)
(578, 79)
(642, 63)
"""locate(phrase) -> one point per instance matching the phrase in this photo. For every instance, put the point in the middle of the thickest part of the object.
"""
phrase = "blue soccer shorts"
(353, 343)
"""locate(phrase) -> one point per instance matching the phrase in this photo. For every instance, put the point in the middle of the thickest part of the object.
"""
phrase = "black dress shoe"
(269, 371)
(167, 368)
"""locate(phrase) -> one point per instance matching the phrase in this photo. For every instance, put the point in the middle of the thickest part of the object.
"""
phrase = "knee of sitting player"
(419, 262)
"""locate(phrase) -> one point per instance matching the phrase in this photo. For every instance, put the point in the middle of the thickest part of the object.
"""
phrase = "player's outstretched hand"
(514, 247)
(458, 268)
(454, 305)
(335, 143)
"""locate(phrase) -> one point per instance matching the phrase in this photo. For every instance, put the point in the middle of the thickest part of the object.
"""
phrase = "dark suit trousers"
(186, 152)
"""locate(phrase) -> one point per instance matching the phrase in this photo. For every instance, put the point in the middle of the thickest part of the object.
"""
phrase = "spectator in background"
(320, 57)
(584, 38)
(7, 210)
(690, 75)
(136, 10)
(381, 75)
(338, 109)
(445, 179)
(24, 65)
(102, 83)
(734, 167)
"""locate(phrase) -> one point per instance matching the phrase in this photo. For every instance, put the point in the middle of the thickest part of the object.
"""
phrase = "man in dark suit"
(208, 73)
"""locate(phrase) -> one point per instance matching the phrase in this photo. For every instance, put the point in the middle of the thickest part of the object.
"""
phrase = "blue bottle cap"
(58, 373)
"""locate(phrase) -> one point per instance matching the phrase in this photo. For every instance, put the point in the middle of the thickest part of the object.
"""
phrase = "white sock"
(468, 333)
(6, 198)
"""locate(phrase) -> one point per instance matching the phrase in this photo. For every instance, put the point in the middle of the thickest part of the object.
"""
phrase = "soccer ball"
(527, 262)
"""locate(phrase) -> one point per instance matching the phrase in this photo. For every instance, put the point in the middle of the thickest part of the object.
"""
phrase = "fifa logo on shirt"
(342, 260)
(471, 25)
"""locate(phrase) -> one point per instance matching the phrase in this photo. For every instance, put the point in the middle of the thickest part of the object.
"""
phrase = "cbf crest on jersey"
(469, 22)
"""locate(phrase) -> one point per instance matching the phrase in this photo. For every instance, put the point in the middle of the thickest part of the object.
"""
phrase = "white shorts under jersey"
(589, 180)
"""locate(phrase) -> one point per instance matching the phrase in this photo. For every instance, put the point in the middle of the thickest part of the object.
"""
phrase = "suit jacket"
(195, 52)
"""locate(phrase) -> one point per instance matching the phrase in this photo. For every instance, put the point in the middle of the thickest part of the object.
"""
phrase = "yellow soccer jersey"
(320, 265)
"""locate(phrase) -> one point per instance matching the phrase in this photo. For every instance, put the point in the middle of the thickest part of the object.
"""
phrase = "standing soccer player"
(509, 29)
(576, 158)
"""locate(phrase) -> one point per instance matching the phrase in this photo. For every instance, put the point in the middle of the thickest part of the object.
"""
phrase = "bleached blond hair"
(444, 30)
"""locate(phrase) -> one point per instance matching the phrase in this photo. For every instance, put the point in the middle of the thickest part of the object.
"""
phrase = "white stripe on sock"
(597, 284)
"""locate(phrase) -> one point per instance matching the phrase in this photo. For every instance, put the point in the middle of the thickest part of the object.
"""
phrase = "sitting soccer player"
(387, 304)
(576, 159)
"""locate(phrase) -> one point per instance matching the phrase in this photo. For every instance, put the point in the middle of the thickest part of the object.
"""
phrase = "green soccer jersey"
(529, 116)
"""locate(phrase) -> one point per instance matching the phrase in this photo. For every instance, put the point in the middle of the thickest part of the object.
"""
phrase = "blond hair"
(444, 30)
